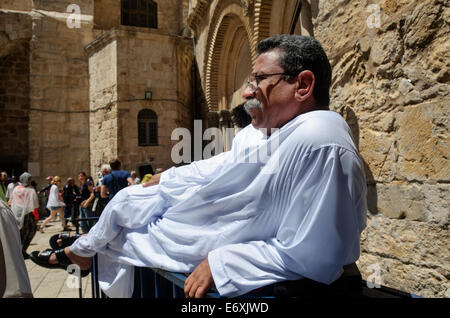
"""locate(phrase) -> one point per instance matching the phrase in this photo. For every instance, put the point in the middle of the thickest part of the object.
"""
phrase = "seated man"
(282, 204)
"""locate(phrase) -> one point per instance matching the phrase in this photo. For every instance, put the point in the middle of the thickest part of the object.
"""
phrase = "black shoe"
(42, 259)
(66, 239)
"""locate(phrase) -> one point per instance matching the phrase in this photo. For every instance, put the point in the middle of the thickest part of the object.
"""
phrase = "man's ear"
(305, 85)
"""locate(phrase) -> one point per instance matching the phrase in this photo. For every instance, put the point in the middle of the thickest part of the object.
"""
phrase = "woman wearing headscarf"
(55, 205)
(24, 201)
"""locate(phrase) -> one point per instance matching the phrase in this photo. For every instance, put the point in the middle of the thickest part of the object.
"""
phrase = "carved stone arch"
(198, 13)
(261, 30)
(235, 67)
(223, 15)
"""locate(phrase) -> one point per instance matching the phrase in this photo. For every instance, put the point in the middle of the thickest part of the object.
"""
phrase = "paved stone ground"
(51, 283)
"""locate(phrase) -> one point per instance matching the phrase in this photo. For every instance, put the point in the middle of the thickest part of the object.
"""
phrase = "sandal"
(66, 239)
(63, 261)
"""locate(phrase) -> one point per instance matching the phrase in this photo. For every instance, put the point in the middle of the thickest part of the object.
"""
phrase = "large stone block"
(421, 281)
(377, 151)
(399, 201)
(386, 48)
(423, 142)
(413, 256)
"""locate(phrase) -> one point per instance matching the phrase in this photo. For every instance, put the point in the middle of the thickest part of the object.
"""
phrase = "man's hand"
(199, 282)
(154, 180)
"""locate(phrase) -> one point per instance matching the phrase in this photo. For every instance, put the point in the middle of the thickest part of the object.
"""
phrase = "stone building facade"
(391, 73)
(73, 80)
(71, 99)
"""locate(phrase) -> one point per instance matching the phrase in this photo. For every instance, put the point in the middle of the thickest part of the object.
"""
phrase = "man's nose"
(248, 93)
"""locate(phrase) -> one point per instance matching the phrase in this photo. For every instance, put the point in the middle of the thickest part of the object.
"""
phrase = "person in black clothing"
(87, 200)
(99, 202)
(70, 193)
(46, 190)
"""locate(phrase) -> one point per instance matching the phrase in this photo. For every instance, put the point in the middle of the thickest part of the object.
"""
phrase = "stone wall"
(19, 5)
(14, 106)
(59, 115)
(160, 64)
(391, 83)
(15, 34)
(106, 14)
(170, 13)
(103, 103)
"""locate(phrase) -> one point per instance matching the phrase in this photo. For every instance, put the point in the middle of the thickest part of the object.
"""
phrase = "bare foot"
(84, 262)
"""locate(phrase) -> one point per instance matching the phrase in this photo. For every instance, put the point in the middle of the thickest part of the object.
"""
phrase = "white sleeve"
(318, 234)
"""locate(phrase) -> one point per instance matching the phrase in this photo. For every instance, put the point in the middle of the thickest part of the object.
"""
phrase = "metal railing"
(157, 283)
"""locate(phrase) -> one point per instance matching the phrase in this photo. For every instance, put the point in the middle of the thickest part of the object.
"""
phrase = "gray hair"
(106, 167)
(25, 179)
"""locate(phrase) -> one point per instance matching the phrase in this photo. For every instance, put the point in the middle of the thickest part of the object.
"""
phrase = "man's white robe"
(280, 208)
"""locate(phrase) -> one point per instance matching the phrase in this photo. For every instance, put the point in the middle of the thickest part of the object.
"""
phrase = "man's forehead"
(269, 60)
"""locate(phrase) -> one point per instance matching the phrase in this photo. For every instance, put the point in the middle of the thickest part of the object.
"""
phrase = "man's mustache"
(252, 104)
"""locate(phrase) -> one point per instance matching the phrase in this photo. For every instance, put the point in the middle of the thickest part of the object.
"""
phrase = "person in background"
(55, 205)
(116, 180)
(104, 170)
(99, 202)
(87, 200)
(3, 180)
(24, 201)
(14, 280)
(46, 190)
(36, 211)
(70, 193)
(145, 169)
(146, 178)
(9, 189)
(135, 177)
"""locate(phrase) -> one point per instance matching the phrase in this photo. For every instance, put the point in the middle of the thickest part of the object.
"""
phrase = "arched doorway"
(228, 58)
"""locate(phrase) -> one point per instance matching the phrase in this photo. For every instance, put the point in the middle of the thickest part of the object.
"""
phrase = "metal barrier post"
(80, 289)
(94, 277)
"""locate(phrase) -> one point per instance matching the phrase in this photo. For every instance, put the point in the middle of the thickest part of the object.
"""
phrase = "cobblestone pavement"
(52, 283)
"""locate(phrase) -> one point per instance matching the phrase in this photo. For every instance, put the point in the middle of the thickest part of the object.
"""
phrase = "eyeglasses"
(254, 80)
